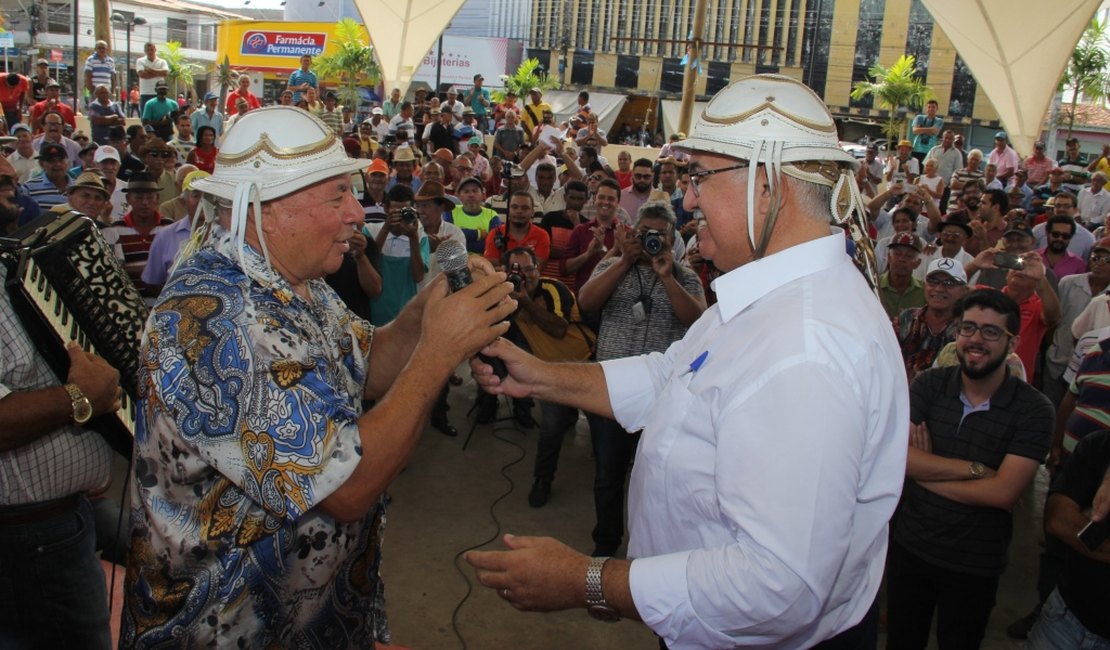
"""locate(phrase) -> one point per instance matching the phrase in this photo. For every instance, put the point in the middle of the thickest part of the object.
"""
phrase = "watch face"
(82, 411)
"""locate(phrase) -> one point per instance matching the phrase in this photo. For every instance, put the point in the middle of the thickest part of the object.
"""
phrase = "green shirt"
(894, 302)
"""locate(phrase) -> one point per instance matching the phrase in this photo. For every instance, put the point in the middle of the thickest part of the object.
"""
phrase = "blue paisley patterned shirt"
(248, 421)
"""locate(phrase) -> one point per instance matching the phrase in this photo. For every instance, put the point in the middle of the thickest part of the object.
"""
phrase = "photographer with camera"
(646, 302)
(518, 231)
(546, 322)
(404, 254)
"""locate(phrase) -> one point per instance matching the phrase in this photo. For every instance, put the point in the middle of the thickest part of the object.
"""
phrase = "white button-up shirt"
(767, 472)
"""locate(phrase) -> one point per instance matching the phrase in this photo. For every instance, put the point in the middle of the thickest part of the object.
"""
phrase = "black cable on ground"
(497, 523)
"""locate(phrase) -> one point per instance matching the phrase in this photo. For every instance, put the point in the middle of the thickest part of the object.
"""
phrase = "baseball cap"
(906, 239)
(1001, 135)
(378, 166)
(476, 139)
(469, 180)
(43, 62)
(1018, 226)
(377, 110)
(210, 95)
(904, 143)
(50, 149)
(52, 83)
(19, 127)
(536, 89)
(949, 267)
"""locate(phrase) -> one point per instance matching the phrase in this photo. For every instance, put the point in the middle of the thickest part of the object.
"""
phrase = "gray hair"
(814, 200)
(660, 210)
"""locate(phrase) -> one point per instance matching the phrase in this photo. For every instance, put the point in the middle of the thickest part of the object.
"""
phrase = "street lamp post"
(129, 25)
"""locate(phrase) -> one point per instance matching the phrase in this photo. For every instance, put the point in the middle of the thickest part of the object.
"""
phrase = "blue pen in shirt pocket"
(696, 364)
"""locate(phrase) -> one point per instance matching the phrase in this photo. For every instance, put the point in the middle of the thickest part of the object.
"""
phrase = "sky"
(232, 5)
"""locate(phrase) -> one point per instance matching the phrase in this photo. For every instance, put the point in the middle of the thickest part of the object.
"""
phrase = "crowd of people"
(302, 336)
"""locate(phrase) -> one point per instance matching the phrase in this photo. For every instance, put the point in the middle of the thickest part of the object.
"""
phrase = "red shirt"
(204, 160)
(579, 242)
(233, 97)
(11, 96)
(537, 239)
(61, 108)
(1032, 332)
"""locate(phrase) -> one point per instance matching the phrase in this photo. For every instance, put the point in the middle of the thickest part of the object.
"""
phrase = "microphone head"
(451, 256)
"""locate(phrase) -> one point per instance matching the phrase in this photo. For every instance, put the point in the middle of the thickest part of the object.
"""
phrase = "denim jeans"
(52, 589)
(613, 451)
(1058, 628)
(555, 420)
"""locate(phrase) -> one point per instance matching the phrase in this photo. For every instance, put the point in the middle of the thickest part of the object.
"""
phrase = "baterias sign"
(281, 43)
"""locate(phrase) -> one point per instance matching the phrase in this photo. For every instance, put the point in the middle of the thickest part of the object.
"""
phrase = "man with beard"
(987, 218)
(1065, 206)
(46, 522)
(635, 196)
(1060, 230)
(977, 435)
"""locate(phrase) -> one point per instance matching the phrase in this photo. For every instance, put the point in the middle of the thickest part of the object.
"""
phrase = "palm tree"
(1086, 72)
(226, 77)
(353, 60)
(896, 89)
(181, 70)
(528, 76)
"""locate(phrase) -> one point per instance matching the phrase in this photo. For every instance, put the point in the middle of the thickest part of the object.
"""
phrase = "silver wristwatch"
(595, 598)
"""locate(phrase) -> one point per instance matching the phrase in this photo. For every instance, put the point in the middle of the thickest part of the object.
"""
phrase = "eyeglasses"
(990, 332)
(1100, 259)
(697, 178)
(597, 179)
(943, 282)
(1060, 235)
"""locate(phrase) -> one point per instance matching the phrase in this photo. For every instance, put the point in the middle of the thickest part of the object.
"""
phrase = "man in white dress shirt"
(774, 433)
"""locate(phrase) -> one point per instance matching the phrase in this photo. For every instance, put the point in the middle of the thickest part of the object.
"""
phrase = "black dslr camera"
(516, 276)
(408, 215)
(653, 242)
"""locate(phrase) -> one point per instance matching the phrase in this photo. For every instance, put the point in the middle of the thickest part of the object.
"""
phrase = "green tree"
(528, 76)
(896, 89)
(352, 61)
(227, 78)
(182, 70)
(1086, 73)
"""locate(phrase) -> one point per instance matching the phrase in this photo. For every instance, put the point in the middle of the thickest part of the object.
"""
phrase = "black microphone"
(452, 259)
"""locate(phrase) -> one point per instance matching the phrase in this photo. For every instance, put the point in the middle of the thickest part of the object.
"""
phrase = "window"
(59, 18)
(177, 30)
(628, 71)
(582, 70)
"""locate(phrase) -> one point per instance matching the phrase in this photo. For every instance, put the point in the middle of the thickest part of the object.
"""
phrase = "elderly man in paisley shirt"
(258, 495)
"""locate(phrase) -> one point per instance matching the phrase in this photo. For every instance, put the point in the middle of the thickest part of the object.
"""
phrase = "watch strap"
(594, 594)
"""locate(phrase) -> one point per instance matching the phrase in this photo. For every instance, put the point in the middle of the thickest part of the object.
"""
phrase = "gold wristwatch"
(82, 408)
(977, 470)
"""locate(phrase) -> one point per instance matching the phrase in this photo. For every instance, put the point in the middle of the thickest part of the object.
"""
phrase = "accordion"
(66, 284)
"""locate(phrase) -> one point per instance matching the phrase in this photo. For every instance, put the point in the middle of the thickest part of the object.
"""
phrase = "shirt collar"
(741, 287)
(1001, 397)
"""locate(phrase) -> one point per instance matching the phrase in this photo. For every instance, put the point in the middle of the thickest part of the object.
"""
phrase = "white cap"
(106, 152)
(377, 110)
(948, 266)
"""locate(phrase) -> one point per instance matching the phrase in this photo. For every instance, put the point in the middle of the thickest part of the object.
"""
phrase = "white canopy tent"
(402, 32)
(1017, 51)
(670, 108)
(564, 103)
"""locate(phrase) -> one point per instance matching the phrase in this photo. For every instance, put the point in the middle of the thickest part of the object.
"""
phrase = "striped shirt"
(334, 119)
(961, 176)
(133, 248)
(45, 192)
(1017, 420)
(1091, 388)
(103, 70)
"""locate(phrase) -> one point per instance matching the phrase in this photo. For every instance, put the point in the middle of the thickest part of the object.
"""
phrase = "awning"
(670, 108)
(402, 32)
(1017, 51)
(607, 106)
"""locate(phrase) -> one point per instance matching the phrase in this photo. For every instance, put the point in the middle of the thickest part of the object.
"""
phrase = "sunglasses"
(1100, 259)
(943, 282)
(1060, 235)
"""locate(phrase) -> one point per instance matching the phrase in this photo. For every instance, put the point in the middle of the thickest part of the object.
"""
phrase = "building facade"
(828, 44)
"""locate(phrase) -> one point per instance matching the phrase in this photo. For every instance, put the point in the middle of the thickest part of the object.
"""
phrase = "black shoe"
(524, 419)
(444, 427)
(541, 490)
(1020, 628)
